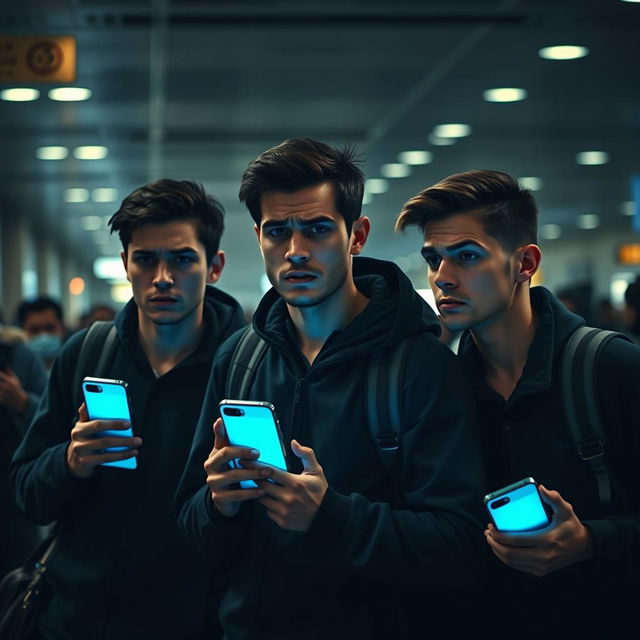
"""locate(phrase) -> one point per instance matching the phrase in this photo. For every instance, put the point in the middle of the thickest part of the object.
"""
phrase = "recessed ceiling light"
(588, 221)
(451, 130)
(628, 208)
(70, 94)
(531, 182)
(504, 94)
(592, 157)
(91, 152)
(376, 185)
(441, 142)
(563, 52)
(76, 195)
(395, 170)
(109, 268)
(19, 95)
(367, 198)
(91, 223)
(52, 153)
(550, 231)
(415, 157)
(104, 194)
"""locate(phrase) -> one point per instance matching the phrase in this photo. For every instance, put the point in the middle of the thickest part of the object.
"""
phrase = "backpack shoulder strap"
(246, 358)
(98, 345)
(384, 399)
(584, 420)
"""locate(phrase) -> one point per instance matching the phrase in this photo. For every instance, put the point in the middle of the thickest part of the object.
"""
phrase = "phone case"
(254, 425)
(517, 507)
(110, 403)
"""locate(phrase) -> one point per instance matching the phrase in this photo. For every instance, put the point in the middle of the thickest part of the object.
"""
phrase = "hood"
(395, 311)
(222, 315)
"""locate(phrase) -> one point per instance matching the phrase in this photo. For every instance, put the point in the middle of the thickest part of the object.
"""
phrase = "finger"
(562, 509)
(220, 435)
(98, 457)
(109, 442)
(274, 506)
(307, 456)
(236, 495)
(516, 539)
(217, 481)
(83, 416)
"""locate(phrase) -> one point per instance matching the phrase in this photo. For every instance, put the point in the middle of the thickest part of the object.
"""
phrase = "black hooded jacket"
(340, 579)
(526, 436)
(121, 570)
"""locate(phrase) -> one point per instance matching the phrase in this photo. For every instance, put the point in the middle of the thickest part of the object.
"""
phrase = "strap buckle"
(590, 449)
(388, 441)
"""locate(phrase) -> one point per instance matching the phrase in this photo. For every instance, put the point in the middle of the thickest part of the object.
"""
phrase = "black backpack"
(383, 392)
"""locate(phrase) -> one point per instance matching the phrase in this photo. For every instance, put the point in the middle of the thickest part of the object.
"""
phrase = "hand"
(87, 450)
(222, 481)
(12, 394)
(293, 502)
(564, 542)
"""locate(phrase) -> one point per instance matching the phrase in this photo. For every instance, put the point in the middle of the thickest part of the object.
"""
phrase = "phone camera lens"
(232, 411)
(94, 388)
(500, 503)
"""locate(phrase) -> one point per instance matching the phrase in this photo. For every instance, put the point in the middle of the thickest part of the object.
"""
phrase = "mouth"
(163, 300)
(299, 277)
(449, 304)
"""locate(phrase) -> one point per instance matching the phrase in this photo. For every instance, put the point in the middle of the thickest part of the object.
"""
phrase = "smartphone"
(255, 425)
(107, 399)
(518, 507)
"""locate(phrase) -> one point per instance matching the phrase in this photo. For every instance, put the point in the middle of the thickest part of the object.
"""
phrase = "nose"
(163, 278)
(297, 251)
(444, 278)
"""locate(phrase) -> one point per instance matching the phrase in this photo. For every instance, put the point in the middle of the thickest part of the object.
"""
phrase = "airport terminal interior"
(100, 97)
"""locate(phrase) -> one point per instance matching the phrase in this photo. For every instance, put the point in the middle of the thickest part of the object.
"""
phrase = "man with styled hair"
(330, 551)
(581, 574)
(120, 568)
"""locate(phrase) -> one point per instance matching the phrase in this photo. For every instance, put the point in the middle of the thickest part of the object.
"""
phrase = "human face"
(472, 276)
(167, 267)
(305, 245)
(43, 321)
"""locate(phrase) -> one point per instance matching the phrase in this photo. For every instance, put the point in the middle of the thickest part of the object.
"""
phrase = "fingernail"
(265, 472)
(126, 424)
(137, 441)
(254, 452)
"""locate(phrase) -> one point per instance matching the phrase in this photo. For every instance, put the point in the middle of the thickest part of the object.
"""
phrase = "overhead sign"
(37, 59)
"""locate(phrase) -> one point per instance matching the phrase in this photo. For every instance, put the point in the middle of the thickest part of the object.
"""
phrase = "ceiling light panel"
(505, 94)
(531, 182)
(415, 157)
(588, 221)
(91, 223)
(592, 157)
(70, 94)
(52, 153)
(104, 194)
(91, 152)
(76, 195)
(563, 52)
(19, 94)
(628, 208)
(550, 231)
(451, 130)
(376, 185)
(441, 142)
(395, 170)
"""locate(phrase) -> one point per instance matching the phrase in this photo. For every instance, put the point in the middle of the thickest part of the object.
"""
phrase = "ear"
(215, 268)
(125, 262)
(529, 258)
(359, 234)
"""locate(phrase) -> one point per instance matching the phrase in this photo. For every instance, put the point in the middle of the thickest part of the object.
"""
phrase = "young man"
(120, 568)
(581, 574)
(329, 551)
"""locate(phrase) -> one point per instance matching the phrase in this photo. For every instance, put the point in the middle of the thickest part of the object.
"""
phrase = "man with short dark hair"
(330, 551)
(580, 576)
(41, 319)
(120, 568)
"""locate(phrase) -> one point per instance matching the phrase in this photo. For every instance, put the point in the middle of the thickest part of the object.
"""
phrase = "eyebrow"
(304, 223)
(428, 250)
(171, 251)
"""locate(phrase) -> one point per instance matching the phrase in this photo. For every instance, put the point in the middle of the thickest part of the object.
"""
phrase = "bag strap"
(100, 335)
(245, 360)
(383, 402)
(583, 417)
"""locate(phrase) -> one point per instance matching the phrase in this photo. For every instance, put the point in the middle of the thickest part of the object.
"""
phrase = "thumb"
(307, 456)
(220, 434)
(83, 416)
(562, 509)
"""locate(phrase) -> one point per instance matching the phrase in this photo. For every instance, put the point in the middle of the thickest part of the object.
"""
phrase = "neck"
(504, 342)
(165, 345)
(315, 324)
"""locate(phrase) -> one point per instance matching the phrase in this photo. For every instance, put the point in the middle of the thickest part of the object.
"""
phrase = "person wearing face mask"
(41, 320)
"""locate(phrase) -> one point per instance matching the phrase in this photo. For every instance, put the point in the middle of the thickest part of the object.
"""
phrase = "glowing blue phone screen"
(110, 404)
(523, 512)
(256, 429)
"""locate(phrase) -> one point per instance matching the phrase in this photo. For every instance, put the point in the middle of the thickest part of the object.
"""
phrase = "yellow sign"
(37, 59)
(629, 253)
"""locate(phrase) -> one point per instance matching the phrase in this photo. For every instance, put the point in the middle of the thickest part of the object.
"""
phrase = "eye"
(144, 260)
(432, 260)
(318, 230)
(182, 260)
(468, 256)
(277, 232)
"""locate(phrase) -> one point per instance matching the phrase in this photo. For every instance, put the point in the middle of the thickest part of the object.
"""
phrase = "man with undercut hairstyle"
(331, 547)
(120, 569)
(580, 576)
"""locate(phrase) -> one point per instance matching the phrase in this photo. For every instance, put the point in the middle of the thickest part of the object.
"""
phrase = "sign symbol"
(44, 57)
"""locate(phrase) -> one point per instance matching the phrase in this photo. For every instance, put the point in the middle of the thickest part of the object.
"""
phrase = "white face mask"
(46, 345)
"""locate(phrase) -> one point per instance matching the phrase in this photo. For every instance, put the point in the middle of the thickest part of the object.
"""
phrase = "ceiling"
(195, 90)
